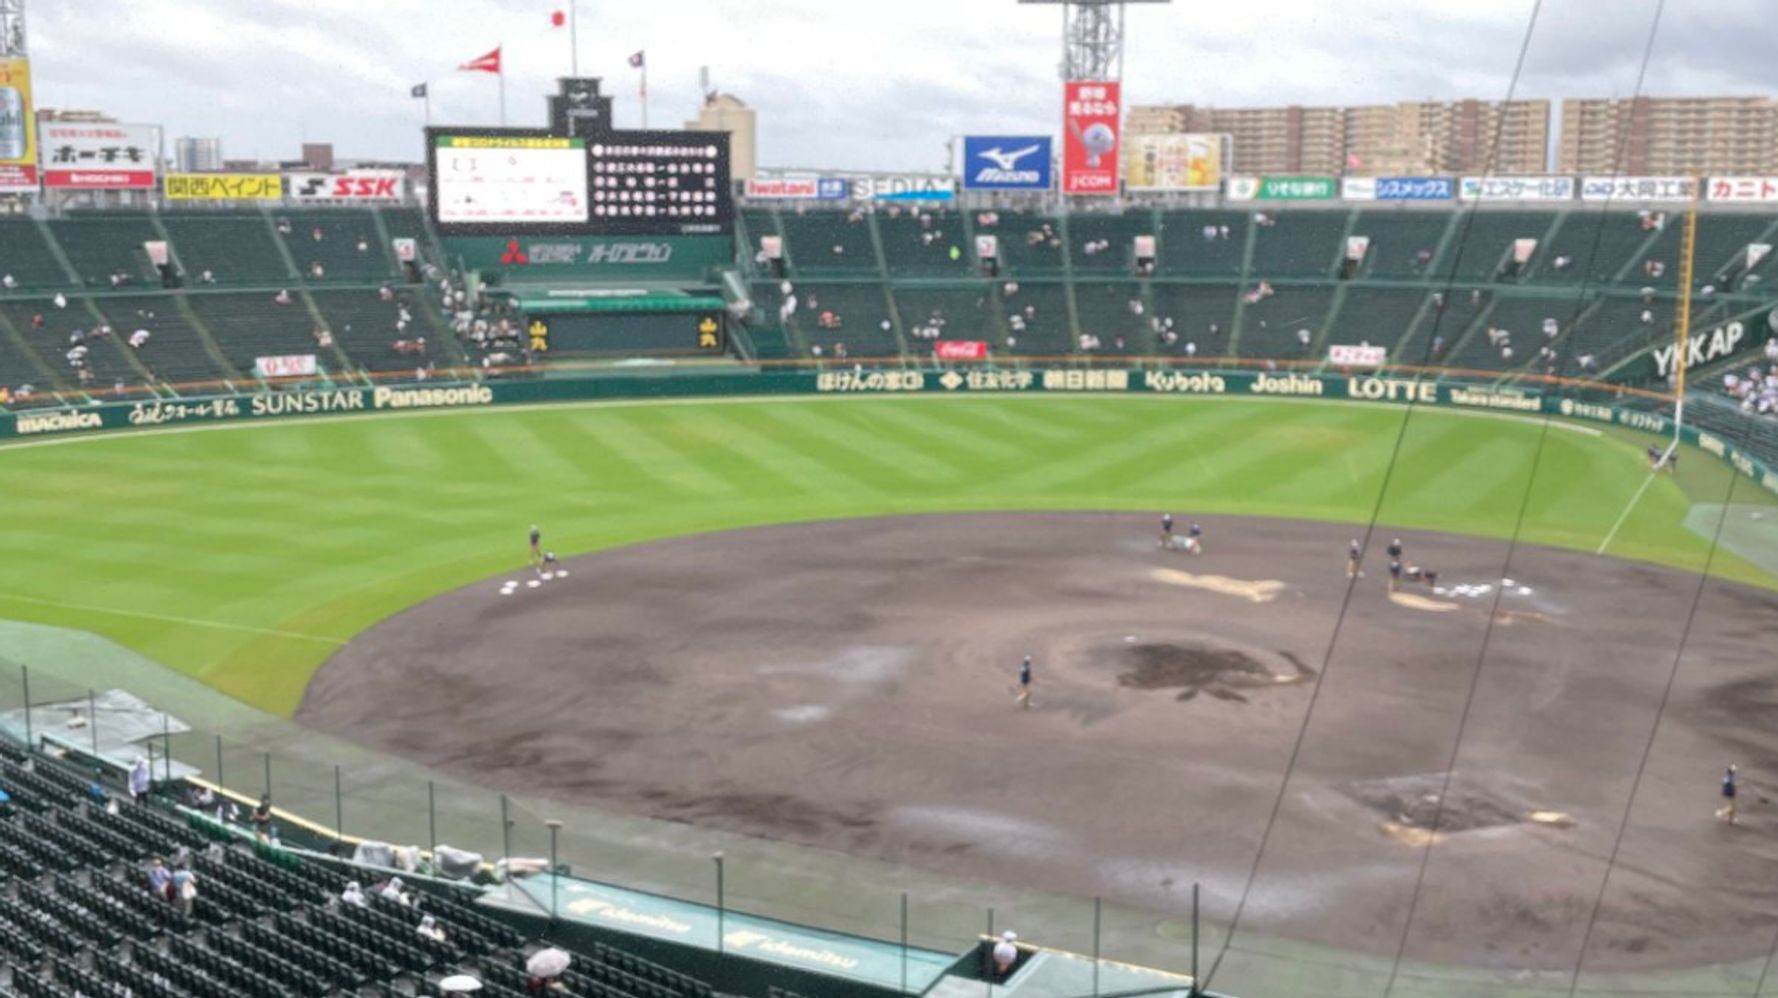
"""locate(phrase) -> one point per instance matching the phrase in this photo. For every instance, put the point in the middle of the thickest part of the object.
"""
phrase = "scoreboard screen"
(508, 180)
(661, 183)
(522, 181)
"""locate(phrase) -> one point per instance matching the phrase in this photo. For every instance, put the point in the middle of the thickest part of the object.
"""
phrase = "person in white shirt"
(354, 895)
(140, 778)
(1006, 953)
(428, 929)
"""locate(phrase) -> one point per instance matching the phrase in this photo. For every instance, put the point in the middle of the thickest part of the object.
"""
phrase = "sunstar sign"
(1723, 341)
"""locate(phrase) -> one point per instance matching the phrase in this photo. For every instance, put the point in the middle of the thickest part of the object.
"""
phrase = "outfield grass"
(245, 554)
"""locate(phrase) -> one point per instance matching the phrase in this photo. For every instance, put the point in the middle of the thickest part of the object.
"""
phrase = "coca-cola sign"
(960, 350)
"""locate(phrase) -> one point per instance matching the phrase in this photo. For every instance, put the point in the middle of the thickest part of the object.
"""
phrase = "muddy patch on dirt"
(1422, 802)
(1193, 668)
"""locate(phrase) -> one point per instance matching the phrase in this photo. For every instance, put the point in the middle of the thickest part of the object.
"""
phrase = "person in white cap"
(354, 895)
(392, 892)
(1005, 953)
(428, 929)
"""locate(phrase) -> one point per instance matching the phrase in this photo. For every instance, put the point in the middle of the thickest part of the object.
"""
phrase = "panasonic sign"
(1006, 163)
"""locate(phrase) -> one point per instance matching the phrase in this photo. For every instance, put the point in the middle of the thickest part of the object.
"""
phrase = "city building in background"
(1648, 136)
(317, 156)
(1411, 138)
(727, 113)
(197, 155)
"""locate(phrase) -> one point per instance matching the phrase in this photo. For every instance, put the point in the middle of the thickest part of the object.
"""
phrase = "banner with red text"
(1092, 116)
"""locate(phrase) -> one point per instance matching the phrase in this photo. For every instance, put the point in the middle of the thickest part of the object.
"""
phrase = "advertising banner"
(289, 366)
(1341, 355)
(224, 187)
(1398, 188)
(960, 350)
(1741, 189)
(1006, 163)
(798, 188)
(98, 156)
(1189, 161)
(1637, 188)
(1282, 188)
(903, 187)
(357, 186)
(18, 128)
(1531, 188)
(1092, 115)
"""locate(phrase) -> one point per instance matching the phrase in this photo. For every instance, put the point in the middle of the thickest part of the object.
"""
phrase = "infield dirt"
(850, 685)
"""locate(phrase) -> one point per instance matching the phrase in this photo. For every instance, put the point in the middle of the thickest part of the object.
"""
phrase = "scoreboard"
(508, 180)
(511, 182)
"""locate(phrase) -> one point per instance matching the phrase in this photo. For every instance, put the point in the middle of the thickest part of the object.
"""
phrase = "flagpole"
(573, 39)
(501, 65)
(426, 100)
(644, 91)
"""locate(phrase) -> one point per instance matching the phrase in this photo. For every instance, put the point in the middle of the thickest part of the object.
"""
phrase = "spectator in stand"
(363, 246)
(141, 777)
(207, 276)
(317, 271)
(61, 300)
(316, 233)
(185, 887)
(428, 929)
(7, 282)
(386, 293)
(282, 297)
(139, 338)
(37, 320)
(95, 791)
(160, 879)
(393, 891)
(1006, 953)
(354, 895)
(262, 818)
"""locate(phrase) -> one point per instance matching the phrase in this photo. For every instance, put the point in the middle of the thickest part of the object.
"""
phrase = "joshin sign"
(1092, 113)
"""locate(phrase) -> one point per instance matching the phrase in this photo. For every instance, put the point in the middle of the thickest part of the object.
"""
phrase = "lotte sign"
(1092, 114)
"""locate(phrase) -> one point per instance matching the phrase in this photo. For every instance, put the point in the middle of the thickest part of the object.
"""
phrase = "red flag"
(489, 63)
(636, 61)
(557, 19)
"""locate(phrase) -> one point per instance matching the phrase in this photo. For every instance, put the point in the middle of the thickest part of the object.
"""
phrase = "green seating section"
(101, 245)
(828, 243)
(175, 350)
(920, 243)
(960, 314)
(1381, 317)
(1102, 243)
(1106, 311)
(1270, 327)
(1031, 245)
(860, 310)
(26, 256)
(1298, 244)
(1044, 311)
(1487, 243)
(1193, 243)
(1397, 238)
(349, 250)
(1202, 314)
(235, 248)
(248, 325)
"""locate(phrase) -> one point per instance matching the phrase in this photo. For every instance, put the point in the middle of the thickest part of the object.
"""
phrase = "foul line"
(1626, 513)
(167, 618)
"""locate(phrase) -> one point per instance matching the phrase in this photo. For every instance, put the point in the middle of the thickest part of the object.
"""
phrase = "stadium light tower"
(1092, 37)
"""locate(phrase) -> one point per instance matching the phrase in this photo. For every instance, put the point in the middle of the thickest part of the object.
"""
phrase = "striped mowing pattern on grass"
(243, 556)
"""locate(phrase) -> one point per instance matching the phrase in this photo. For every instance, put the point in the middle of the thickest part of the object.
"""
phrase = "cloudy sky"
(837, 83)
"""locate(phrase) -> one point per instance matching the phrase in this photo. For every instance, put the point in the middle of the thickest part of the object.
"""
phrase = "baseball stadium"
(573, 563)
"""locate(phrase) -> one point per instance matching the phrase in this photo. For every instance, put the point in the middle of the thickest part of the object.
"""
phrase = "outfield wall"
(1596, 407)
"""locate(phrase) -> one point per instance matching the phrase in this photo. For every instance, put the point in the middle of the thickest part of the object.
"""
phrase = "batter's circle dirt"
(851, 685)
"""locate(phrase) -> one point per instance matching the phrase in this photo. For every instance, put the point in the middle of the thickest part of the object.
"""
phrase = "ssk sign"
(1092, 113)
(355, 185)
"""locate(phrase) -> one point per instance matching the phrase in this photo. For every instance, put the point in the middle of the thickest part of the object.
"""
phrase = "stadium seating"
(1192, 243)
(1111, 237)
(925, 242)
(175, 351)
(77, 917)
(1031, 245)
(100, 245)
(27, 257)
(235, 248)
(350, 248)
(957, 314)
(1108, 310)
(828, 243)
(1397, 238)
(1271, 327)
(1298, 244)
